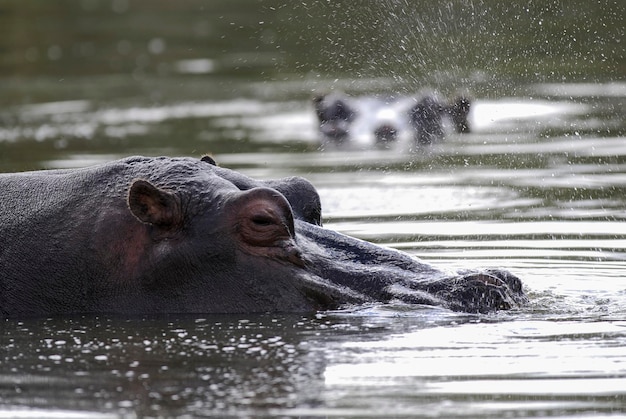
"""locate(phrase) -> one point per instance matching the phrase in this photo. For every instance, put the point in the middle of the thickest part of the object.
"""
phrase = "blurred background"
(89, 80)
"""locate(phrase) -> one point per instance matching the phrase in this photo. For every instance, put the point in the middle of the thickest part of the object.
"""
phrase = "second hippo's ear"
(153, 205)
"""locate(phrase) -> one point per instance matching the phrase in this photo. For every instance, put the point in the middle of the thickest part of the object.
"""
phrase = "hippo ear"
(152, 205)
(209, 159)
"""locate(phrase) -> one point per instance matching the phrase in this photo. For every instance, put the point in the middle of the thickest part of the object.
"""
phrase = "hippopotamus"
(146, 235)
(384, 117)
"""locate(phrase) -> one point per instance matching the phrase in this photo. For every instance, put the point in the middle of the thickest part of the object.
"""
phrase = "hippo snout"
(383, 274)
(484, 291)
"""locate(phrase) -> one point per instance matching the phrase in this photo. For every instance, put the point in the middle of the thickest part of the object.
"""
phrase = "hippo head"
(208, 239)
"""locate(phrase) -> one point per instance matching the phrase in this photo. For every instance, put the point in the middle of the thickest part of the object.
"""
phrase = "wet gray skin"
(180, 235)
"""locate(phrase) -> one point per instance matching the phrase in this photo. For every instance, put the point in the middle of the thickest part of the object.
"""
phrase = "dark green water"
(538, 188)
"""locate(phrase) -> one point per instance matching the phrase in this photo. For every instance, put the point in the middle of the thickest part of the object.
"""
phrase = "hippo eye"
(262, 220)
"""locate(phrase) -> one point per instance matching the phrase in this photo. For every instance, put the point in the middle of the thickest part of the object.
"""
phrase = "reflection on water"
(537, 188)
(446, 369)
(373, 362)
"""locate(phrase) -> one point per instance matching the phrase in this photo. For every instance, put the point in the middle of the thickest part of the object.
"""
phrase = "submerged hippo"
(182, 235)
(424, 116)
